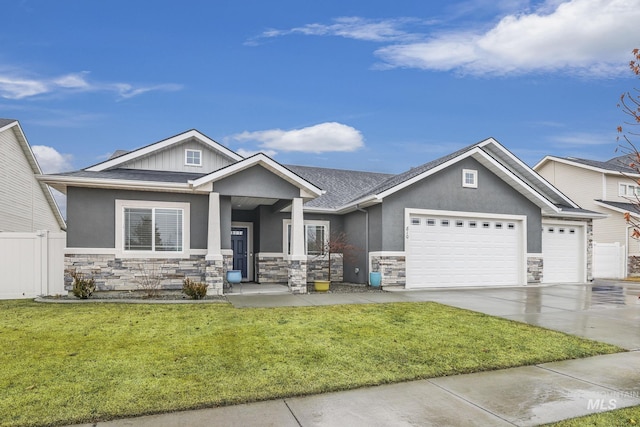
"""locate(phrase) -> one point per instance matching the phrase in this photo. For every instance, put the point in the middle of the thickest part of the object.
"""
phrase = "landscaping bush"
(82, 287)
(193, 289)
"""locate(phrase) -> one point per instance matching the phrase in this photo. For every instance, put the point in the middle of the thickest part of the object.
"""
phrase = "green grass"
(619, 417)
(74, 363)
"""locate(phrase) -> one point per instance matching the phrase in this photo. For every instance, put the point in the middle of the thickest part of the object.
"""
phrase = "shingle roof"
(631, 207)
(340, 185)
(413, 172)
(4, 122)
(617, 164)
(135, 175)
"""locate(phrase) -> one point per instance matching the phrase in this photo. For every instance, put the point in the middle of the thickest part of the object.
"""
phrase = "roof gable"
(494, 157)
(133, 158)
(11, 125)
(307, 189)
(615, 166)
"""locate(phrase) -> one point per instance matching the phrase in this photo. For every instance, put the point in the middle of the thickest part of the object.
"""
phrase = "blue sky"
(375, 85)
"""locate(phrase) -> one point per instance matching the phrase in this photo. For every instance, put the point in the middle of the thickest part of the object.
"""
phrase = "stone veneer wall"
(127, 274)
(317, 268)
(392, 267)
(633, 266)
(534, 269)
(272, 269)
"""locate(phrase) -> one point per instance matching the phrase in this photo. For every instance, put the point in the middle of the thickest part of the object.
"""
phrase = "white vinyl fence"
(31, 264)
(609, 261)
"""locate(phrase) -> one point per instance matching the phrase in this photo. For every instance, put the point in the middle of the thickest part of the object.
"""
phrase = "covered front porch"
(255, 224)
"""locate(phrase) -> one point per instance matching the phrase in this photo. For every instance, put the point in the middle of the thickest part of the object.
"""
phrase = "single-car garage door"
(452, 250)
(563, 253)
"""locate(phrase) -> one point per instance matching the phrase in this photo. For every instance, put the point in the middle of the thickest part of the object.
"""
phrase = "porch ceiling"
(250, 203)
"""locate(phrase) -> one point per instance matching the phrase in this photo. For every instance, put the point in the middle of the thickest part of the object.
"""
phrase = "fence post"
(43, 241)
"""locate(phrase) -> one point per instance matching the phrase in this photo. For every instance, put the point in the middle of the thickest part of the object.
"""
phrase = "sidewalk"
(524, 396)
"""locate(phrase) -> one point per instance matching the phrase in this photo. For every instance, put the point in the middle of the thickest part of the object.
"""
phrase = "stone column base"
(214, 277)
(298, 276)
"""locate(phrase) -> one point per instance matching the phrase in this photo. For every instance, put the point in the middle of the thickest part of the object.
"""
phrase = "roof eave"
(61, 183)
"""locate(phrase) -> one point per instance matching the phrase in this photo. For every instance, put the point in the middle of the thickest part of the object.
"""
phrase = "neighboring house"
(609, 188)
(193, 208)
(31, 226)
(27, 205)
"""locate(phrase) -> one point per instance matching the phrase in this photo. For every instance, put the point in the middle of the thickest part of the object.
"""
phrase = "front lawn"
(72, 363)
(618, 418)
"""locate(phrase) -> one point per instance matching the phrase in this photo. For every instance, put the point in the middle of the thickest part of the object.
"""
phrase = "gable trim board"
(392, 204)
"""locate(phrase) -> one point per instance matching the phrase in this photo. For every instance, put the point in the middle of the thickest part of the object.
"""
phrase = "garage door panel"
(469, 251)
(563, 250)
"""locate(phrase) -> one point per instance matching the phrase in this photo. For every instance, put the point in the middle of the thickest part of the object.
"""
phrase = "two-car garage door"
(458, 250)
(452, 249)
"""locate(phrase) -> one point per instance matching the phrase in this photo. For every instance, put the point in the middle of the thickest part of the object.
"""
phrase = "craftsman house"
(193, 208)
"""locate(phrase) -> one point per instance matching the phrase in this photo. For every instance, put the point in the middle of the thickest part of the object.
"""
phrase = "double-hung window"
(316, 235)
(152, 227)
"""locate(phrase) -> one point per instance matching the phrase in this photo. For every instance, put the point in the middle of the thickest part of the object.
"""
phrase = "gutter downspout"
(366, 241)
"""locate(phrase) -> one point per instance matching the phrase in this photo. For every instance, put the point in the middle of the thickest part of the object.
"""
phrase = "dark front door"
(239, 243)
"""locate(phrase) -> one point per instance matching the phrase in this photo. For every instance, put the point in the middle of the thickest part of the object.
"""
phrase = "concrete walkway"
(526, 396)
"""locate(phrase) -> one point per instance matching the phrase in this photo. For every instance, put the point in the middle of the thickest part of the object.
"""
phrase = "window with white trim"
(628, 190)
(193, 157)
(470, 178)
(316, 236)
(152, 227)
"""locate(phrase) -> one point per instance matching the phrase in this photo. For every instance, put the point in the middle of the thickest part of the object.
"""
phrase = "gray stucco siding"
(91, 215)
(271, 227)
(444, 191)
(256, 181)
(355, 229)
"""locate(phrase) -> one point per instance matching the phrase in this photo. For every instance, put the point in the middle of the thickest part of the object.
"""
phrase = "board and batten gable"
(24, 206)
(444, 191)
(173, 159)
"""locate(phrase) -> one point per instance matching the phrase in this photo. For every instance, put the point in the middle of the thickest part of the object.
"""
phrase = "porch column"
(214, 276)
(297, 260)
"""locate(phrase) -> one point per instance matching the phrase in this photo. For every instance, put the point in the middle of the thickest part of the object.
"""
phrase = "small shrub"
(150, 280)
(82, 288)
(193, 289)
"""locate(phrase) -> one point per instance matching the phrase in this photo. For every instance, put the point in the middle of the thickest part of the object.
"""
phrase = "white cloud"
(17, 88)
(353, 27)
(13, 85)
(50, 160)
(320, 138)
(584, 37)
(584, 139)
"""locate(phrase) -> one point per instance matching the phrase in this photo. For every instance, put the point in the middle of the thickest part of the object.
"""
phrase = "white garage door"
(448, 250)
(563, 253)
